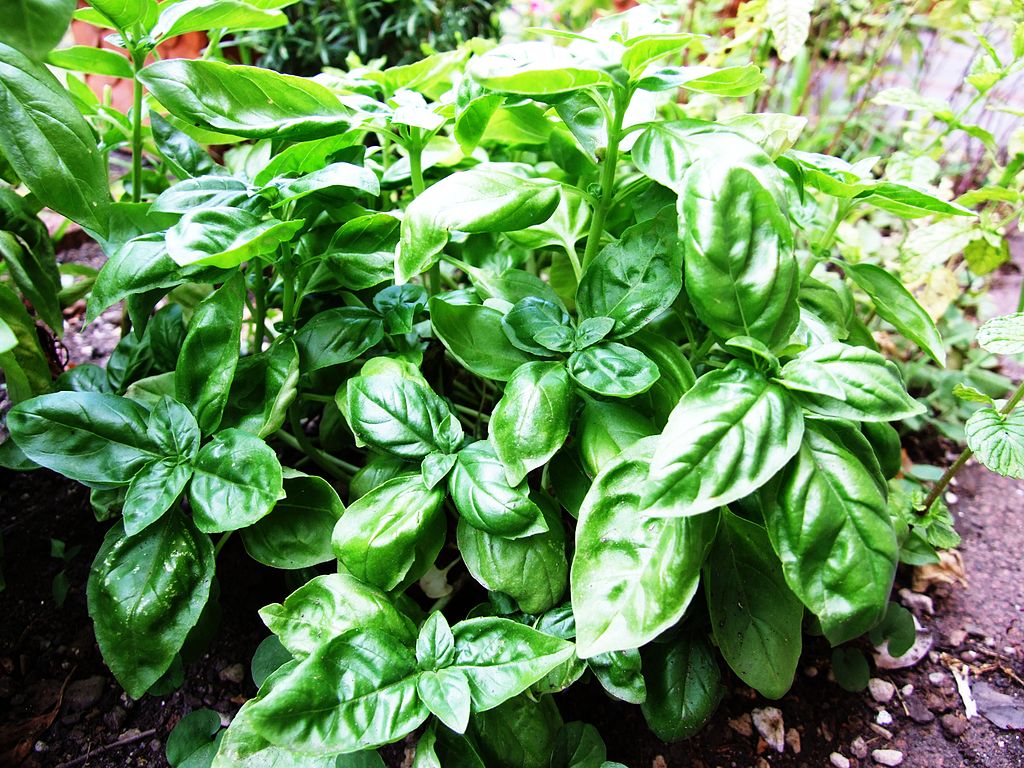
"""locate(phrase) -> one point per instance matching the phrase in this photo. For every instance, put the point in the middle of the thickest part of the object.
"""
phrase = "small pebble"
(838, 760)
(990, 642)
(885, 733)
(768, 722)
(951, 498)
(957, 637)
(883, 717)
(937, 678)
(742, 725)
(881, 690)
(859, 747)
(918, 712)
(954, 725)
(811, 671)
(907, 689)
(793, 740)
(970, 656)
(1009, 650)
(890, 757)
(235, 673)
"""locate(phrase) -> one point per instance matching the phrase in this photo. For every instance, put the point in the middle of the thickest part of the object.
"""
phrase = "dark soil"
(59, 705)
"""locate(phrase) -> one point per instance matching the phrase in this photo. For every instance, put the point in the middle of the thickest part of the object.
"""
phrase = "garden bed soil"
(59, 705)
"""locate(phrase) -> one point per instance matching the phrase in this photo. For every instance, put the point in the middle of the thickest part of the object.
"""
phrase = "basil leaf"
(446, 694)
(532, 570)
(391, 535)
(265, 385)
(501, 658)
(361, 254)
(684, 686)
(237, 481)
(518, 734)
(354, 692)
(619, 673)
(636, 279)
(633, 576)
(146, 592)
(49, 144)
(531, 421)
(153, 491)
(208, 191)
(183, 154)
(38, 26)
(475, 337)
(245, 101)
(607, 429)
(174, 430)
(26, 370)
(998, 440)
(728, 81)
(27, 251)
(534, 69)
(337, 336)
(474, 201)
(738, 426)
(209, 356)
(487, 501)
(849, 383)
(202, 15)
(328, 606)
(1003, 335)
(897, 305)
(97, 439)
(400, 416)
(578, 745)
(741, 274)
(841, 560)
(91, 61)
(123, 13)
(225, 237)
(757, 620)
(909, 202)
(337, 181)
(297, 531)
(532, 316)
(613, 370)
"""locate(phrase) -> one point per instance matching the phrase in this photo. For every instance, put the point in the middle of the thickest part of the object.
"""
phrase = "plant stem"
(220, 543)
(957, 465)
(300, 441)
(415, 149)
(259, 290)
(138, 61)
(611, 158)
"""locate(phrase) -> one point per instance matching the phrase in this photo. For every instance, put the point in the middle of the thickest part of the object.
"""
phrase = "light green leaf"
(203, 15)
(790, 23)
(998, 440)
(225, 237)
(534, 69)
(91, 61)
(474, 336)
(1003, 335)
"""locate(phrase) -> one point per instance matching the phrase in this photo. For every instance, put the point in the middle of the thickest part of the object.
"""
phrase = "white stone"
(881, 690)
(883, 718)
(890, 757)
(937, 678)
(768, 722)
(859, 747)
(838, 760)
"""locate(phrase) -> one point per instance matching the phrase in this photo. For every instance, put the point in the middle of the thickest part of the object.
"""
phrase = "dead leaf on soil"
(1001, 710)
(17, 739)
(949, 570)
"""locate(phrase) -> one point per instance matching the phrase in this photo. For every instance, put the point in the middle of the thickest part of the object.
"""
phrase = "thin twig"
(122, 742)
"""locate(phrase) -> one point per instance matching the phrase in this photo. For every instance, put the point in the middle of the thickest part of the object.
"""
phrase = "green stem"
(957, 465)
(138, 61)
(220, 544)
(611, 159)
(828, 239)
(259, 290)
(415, 150)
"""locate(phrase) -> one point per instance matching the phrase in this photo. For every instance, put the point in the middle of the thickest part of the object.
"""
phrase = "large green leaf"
(998, 440)
(898, 306)
(486, 500)
(473, 334)
(27, 250)
(850, 383)
(204, 15)
(391, 535)
(401, 416)
(606, 429)
(206, 191)
(827, 519)
(354, 692)
(225, 237)
(635, 279)
(146, 592)
(329, 606)
(756, 619)
(246, 101)
(534, 69)
(36, 26)
(477, 200)
(297, 532)
(531, 421)
(518, 734)
(265, 385)
(532, 570)
(501, 658)
(97, 439)
(153, 491)
(209, 356)
(337, 336)
(632, 576)
(741, 273)
(237, 481)
(26, 369)
(91, 61)
(48, 143)
(684, 685)
(184, 155)
(1003, 335)
(124, 13)
(727, 437)
(613, 370)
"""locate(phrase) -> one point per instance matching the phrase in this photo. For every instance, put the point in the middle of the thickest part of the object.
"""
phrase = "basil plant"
(586, 371)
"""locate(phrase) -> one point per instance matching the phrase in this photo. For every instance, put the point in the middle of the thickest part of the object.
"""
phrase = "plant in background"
(609, 361)
(325, 33)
